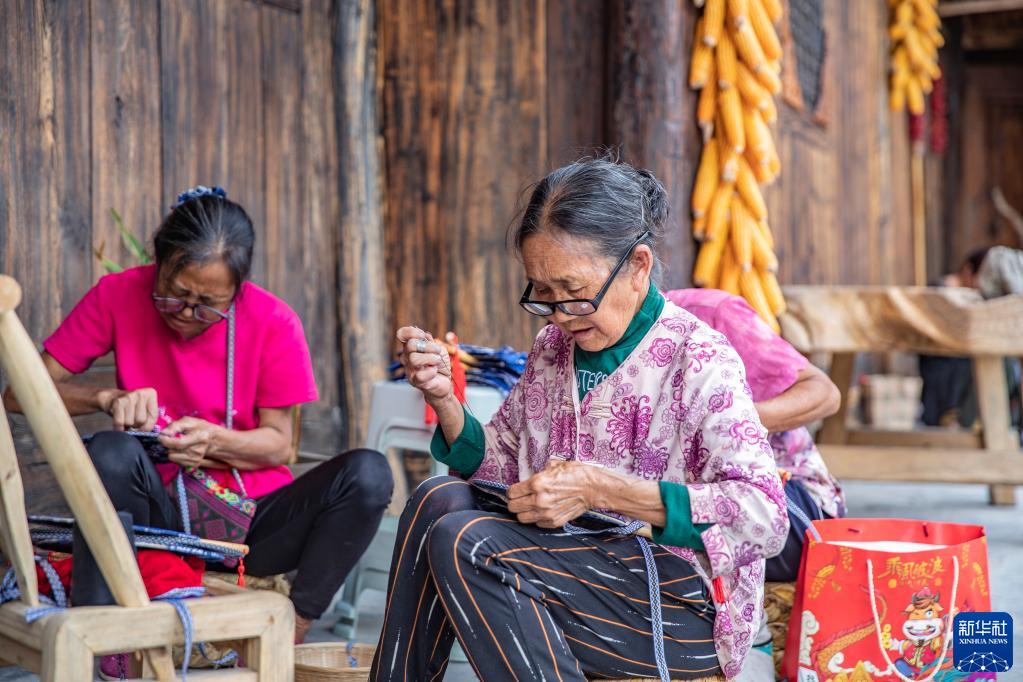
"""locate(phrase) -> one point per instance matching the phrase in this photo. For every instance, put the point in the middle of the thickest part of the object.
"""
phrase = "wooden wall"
(487, 97)
(841, 207)
(330, 118)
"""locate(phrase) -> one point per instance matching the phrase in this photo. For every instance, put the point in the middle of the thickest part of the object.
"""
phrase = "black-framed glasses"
(200, 311)
(576, 306)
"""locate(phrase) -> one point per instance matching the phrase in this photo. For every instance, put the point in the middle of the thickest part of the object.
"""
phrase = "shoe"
(113, 667)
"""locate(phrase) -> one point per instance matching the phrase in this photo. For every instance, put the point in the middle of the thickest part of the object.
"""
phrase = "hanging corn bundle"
(735, 65)
(915, 32)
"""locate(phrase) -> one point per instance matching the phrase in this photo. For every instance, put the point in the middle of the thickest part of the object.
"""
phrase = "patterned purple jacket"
(678, 409)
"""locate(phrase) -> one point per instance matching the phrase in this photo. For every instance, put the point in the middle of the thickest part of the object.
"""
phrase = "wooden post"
(652, 113)
(17, 543)
(361, 294)
(919, 215)
(834, 429)
(993, 403)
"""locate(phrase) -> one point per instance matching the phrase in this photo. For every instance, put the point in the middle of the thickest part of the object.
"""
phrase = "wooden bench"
(844, 321)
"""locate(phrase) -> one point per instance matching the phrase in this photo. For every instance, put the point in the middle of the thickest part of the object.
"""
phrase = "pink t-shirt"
(772, 367)
(272, 363)
(772, 364)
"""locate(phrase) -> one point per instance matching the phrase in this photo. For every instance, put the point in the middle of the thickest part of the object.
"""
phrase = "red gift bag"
(876, 598)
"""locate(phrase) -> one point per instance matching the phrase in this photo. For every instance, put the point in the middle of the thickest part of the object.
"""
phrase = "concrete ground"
(957, 503)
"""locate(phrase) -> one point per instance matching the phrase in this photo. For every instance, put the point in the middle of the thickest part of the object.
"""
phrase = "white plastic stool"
(396, 422)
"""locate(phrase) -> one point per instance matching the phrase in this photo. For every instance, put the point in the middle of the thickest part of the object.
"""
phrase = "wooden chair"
(61, 646)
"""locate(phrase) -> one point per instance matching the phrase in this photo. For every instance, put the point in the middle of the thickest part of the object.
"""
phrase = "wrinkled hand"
(189, 441)
(427, 364)
(561, 492)
(136, 409)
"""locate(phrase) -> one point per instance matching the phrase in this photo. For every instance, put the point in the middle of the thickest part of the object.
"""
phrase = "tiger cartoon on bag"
(924, 630)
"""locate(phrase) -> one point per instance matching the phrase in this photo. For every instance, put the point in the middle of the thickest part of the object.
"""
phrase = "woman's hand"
(190, 441)
(136, 409)
(561, 492)
(427, 364)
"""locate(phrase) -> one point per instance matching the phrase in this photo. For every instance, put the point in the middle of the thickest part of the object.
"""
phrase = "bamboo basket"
(333, 662)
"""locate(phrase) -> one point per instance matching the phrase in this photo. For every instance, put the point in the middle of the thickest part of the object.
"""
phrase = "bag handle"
(228, 421)
(877, 623)
(229, 415)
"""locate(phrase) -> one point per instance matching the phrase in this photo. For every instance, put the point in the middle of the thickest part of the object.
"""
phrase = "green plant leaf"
(110, 266)
(131, 242)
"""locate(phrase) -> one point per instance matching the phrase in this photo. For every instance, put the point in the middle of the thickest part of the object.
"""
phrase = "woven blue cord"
(179, 484)
(9, 591)
(653, 582)
(801, 515)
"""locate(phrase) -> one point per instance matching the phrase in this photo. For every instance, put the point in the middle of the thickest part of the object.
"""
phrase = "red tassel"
(241, 571)
(720, 592)
(458, 380)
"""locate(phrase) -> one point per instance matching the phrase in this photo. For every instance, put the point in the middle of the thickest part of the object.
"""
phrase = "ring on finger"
(420, 345)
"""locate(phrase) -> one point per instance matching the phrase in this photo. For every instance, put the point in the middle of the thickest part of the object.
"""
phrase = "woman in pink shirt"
(789, 393)
(167, 326)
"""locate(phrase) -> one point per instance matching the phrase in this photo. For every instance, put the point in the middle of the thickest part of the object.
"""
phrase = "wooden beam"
(958, 8)
(228, 617)
(932, 465)
(919, 438)
(15, 539)
(16, 653)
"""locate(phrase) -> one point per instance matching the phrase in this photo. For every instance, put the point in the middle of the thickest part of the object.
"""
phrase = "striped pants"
(528, 603)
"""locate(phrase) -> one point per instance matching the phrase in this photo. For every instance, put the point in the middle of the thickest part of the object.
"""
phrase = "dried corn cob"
(714, 21)
(763, 256)
(753, 291)
(764, 29)
(717, 213)
(706, 180)
(750, 88)
(731, 117)
(725, 60)
(730, 271)
(741, 234)
(746, 185)
(772, 292)
(773, 9)
(701, 68)
(737, 12)
(706, 108)
(708, 262)
(747, 46)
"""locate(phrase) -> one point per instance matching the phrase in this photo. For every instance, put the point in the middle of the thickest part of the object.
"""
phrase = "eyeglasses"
(201, 312)
(576, 306)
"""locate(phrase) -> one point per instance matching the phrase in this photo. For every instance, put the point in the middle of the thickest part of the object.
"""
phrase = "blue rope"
(652, 578)
(801, 515)
(9, 591)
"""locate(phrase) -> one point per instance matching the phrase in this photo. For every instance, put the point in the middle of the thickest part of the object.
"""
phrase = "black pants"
(320, 524)
(528, 603)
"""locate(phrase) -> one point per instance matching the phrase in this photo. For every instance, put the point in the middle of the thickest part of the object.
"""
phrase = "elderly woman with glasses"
(630, 407)
(167, 325)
